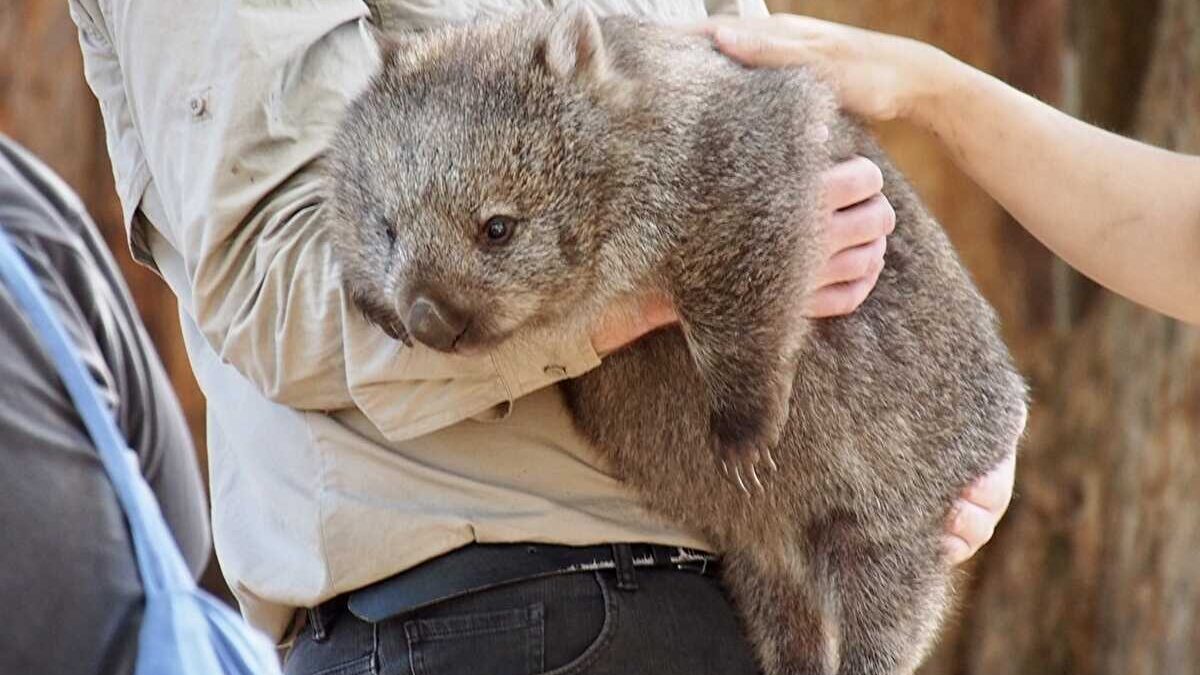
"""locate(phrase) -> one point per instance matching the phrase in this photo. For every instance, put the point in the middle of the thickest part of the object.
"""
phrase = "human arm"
(1122, 212)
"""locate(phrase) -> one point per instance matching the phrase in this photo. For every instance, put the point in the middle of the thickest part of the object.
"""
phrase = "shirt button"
(555, 371)
(198, 106)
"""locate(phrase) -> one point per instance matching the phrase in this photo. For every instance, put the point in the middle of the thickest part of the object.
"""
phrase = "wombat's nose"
(436, 324)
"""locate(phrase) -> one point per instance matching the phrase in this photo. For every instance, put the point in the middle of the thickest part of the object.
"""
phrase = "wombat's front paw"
(740, 464)
(743, 435)
(743, 443)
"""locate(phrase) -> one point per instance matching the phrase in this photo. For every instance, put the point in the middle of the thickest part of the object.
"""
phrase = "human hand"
(630, 319)
(877, 76)
(860, 218)
(977, 512)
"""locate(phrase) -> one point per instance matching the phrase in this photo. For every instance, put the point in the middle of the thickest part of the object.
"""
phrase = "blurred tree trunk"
(1095, 569)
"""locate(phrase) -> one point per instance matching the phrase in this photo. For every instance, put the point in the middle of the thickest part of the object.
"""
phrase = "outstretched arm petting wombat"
(1049, 170)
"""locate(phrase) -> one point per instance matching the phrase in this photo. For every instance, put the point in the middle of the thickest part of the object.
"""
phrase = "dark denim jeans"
(673, 623)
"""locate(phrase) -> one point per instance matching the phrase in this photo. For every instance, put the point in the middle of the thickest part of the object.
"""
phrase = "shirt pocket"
(503, 642)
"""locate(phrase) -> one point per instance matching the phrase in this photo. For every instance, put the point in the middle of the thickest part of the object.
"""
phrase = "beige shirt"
(337, 457)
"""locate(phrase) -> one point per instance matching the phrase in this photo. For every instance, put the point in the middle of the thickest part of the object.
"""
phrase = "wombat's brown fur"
(519, 176)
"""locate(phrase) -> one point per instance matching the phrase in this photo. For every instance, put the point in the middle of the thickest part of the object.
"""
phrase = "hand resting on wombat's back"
(521, 175)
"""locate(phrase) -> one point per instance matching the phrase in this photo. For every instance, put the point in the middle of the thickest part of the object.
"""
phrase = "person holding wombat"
(343, 465)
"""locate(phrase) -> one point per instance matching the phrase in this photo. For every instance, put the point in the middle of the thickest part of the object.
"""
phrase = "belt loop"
(318, 624)
(623, 556)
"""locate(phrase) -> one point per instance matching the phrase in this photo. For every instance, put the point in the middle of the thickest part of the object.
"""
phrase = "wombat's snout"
(435, 324)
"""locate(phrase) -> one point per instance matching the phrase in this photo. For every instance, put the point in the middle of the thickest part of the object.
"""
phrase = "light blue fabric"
(184, 631)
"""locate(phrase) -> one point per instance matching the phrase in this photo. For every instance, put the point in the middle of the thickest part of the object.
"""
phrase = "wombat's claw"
(770, 460)
(734, 477)
(737, 472)
(757, 483)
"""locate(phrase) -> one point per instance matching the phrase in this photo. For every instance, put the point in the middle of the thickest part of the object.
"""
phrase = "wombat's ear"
(574, 47)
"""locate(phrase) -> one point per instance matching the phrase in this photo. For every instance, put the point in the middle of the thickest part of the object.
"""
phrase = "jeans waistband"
(478, 567)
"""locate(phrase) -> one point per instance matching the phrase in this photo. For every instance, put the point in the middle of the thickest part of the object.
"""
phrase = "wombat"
(521, 175)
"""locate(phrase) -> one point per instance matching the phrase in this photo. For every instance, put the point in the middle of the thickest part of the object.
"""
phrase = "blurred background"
(1096, 569)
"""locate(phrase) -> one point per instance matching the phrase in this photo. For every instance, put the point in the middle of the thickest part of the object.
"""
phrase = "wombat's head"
(467, 184)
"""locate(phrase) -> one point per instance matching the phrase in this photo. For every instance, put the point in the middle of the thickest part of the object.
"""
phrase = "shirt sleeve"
(223, 108)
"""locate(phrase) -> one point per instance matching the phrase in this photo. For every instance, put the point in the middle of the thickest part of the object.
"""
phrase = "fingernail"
(726, 36)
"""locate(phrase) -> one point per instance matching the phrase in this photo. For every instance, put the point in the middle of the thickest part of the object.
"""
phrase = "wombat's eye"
(499, 229)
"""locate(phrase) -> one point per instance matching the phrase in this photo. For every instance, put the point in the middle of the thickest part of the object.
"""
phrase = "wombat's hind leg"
(787, 615)
(892, 598)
